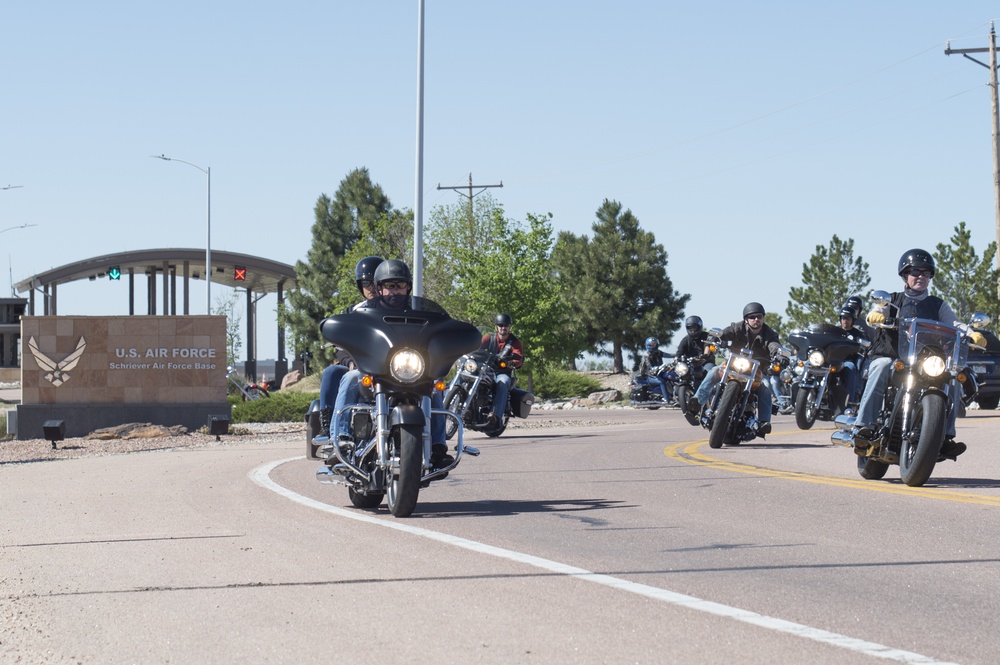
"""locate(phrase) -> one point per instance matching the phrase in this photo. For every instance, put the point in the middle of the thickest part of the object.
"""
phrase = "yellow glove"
(875, 317)
(977, 338)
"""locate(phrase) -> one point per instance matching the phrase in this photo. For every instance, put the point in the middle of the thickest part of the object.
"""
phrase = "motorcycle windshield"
(919, 338)
(373, 335)
(836, 343)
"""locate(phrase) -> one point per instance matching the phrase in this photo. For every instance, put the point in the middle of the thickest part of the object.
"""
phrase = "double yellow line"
(687, 451)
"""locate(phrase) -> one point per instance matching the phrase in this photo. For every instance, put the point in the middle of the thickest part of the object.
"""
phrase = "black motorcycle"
(403, 356)
(470, 394)
(818, 393)
(643, 395)
(911, 425)
(690, 372)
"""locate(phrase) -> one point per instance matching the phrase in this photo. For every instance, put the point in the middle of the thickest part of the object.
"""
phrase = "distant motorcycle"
(910, 427)
(470, 394)
(817, 392)
(248, 389)
(643, 395)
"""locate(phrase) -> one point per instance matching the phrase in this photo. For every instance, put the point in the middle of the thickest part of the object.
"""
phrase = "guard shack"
(11, 311)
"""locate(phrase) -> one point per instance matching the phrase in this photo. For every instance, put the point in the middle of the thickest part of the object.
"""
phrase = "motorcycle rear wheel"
(805, 409)
(405, 485)
(916, 461)
(724, 415)
(454, 399)
(871, 469)
(499, 429)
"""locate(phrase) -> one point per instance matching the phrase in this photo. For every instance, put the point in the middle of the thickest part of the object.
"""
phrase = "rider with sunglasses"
(503, 342)
(916, 268)
(762, 341)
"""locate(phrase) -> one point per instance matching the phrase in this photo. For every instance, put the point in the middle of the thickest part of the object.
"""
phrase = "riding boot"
(325, 418)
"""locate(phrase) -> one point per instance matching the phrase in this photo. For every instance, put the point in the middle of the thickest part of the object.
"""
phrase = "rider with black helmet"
(916, 268)
(753, 334)
(503, 342)
(694, 343)
(364, 277)
(651, 361)
(850, 370)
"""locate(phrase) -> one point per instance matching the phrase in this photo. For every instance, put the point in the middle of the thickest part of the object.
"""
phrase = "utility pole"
(992, 50)
(470, 194)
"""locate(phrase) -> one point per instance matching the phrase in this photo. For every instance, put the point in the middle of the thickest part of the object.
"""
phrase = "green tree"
(830, 277)
(631, 296)
(335, 230)
(229, 305)
(777, 324)
(964, 279)
(390, 236)
(571, 271)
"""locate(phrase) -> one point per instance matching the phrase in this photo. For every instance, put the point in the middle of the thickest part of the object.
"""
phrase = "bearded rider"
(916, 268)
(762, 341)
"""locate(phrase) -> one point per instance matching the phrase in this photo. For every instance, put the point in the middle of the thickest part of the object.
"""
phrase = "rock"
(291, 378)
(137, 431)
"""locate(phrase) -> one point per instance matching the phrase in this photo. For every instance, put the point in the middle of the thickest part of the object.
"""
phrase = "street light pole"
(11, 228)
(208, 239)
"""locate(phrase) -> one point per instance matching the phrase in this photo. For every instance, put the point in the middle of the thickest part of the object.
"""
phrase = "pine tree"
(964, 279)
(830, 277)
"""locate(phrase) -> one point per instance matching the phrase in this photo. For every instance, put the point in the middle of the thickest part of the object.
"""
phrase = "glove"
(874, 317)
(977, 338)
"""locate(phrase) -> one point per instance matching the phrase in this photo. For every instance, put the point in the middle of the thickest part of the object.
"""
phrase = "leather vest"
(885, 343)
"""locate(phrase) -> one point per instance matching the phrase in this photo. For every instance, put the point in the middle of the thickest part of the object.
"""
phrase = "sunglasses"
(918, 273)
(754, 317)
(366, 283)
(502, 327)
(394, 286)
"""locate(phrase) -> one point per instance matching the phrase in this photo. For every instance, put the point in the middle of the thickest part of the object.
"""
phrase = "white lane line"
(261, 476)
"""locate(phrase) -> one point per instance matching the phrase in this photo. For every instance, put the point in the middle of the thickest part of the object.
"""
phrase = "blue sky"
(741, 134)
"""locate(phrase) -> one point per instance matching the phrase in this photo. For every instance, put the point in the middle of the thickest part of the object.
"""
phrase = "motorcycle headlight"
(681, 369)
(816, 359)
(471, 366)
(932, 366)
(406, 366)
(741, 364)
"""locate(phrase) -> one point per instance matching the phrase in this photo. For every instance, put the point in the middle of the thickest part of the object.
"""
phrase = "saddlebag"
(520, 402)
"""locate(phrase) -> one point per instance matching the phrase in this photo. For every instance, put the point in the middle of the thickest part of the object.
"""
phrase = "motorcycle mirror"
(881, 298)
(980, 320)
(785, 352)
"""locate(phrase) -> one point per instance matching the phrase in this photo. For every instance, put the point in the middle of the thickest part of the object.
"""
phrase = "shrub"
(558, 383)
(281, 407)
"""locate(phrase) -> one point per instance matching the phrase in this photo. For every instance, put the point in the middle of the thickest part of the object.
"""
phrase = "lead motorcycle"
(911, 425)
(403, 356)
(470, 394)
(817, 391)
(730, 414)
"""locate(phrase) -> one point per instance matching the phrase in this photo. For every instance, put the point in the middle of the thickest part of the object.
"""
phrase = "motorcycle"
(642, 395)
(402, 356)
(690, 373)
(730, 414)
(470, 394)
(911, 425)
(248, 389)
(817, 390)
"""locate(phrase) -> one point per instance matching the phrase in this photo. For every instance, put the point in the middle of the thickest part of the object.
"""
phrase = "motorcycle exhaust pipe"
(328, 476)
(845, 421)
(842, 439)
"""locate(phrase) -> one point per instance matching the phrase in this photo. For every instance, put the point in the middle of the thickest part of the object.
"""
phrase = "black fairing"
(835, 342)
(371, 335)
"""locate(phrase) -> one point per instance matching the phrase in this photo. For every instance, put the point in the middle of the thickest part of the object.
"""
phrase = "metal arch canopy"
(262, 275)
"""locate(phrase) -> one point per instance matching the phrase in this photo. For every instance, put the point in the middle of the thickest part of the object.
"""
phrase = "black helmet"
(694, 325)
(393, 270)
(365, 270)
(753, 308)
(847, 312)
(502, 319)
(916, 258)
(652, 343)
(855, 303)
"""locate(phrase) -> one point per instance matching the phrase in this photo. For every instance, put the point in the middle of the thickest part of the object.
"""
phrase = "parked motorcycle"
(402, 355)
(730, 414)
(470, 394)
(911, 425)
(248, 389)
(817, 392)
(643, 395)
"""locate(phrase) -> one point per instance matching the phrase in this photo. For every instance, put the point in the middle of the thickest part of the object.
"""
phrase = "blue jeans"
(329, 386)
(350, 393)
(764, 394)
(849, 374)
(501, 391)
(657, 384)
(879, 372)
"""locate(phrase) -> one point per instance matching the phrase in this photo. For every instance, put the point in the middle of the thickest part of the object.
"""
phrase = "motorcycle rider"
(762, 341)
(364, 276)
(503, 342)
(850, 368)
(393, 285)
(651, 361)
(916, 268)
(695, 343)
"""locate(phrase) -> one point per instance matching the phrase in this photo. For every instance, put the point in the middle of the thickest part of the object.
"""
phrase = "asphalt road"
(601, 537)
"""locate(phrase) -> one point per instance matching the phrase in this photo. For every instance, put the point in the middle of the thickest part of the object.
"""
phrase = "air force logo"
(57, 371)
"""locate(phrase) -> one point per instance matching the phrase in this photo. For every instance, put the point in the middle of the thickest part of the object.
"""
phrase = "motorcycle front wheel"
(499, 429)
(724, 414)
(805, 408)
(368, 501)
(405, 484)
(454, 399)
(919, 452)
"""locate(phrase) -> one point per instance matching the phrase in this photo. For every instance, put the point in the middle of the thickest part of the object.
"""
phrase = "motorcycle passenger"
(858, 305)
(503, 340)
(393, 284)
(762, 341)
(695, 343)
(916, 268)
(651, 361)
(364, 275)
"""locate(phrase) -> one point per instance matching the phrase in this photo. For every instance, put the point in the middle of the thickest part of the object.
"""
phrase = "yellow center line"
(687, 451)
